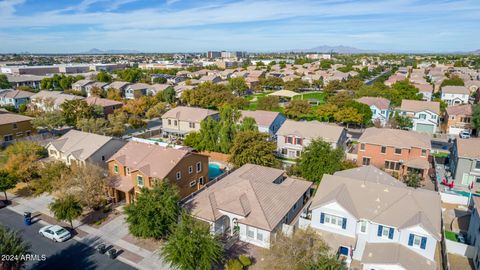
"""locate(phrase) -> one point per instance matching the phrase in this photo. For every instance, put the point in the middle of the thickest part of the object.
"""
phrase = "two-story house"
(397, 151)
(294, 136)
(99, 86)
(80, 85)
(138, 165)
(425, 115)
(473, 235)
(14, 126)
(108, 105)
(455, 95)
(136, 90)
(380, 108)
(10, 97)
(458, 118)
(82, 147)
(253, 202)
(181, 120)
(465, 162)
(118, 85)
(425, 89)
(48, 101)
(380, 222)
(267, 122)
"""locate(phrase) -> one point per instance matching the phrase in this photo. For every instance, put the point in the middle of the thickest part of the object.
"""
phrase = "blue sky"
(69, 26)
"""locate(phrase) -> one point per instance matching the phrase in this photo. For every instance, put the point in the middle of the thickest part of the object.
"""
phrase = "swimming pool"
(214, 170)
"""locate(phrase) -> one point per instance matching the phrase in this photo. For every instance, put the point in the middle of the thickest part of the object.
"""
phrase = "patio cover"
(284, 93)
(122, 183)
(418, 163)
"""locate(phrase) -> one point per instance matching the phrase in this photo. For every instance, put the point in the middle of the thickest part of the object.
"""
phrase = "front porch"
(120, 189)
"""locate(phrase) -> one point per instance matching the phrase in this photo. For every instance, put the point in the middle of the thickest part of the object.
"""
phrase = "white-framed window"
(169, 122)
(362, 147)
(417, 240)
(366, 161)
(422, 116)
(363, 226)
(385, 232)
(383, 150)
(191, 124)
(201, 180)
(178, 175)
(250, 232)
(477, 164)
(140, 182)
(259, 235)
(199, 167)
(334, 220)
(424, 152)
(115, 168)
(190, 169)
(175, 122)
(398, 151)
(193, 183)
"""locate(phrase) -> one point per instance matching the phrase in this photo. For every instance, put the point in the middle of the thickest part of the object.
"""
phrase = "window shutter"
(344, 223)
(380, 228)
(322, 218)
(286, 139)
(410, 240)
(423, 243)
(390, 234)
(301, 141)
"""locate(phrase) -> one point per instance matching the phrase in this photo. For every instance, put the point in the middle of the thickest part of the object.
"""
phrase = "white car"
(465, 134)
(55, 233)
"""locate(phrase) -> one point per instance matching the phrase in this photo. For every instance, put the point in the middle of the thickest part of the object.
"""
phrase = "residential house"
(380, 108)
(108, 105)
(32, 81)
(138, 165)
(157, 88)
(81, 147)
(458, 118)
(14, 126)
(136, 90)
(380, 222)
(119, 85)
(455, 95)
(465, 162)
(181, 120)
(80, 85)
(394, 150)
(100, 86)
(253, 202)
(210, 78)
(50, 100)
(294, 136)
(473, 236)
(267, 122)
(426, 90)
(10, 97)
(425, 115)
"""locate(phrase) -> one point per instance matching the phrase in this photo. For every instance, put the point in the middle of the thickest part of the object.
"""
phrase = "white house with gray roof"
(181, 120)
(383, 223)
(380, 108)
(294, 136)
(455, 95)
(81, 147)
(425, 115)
(267, 122)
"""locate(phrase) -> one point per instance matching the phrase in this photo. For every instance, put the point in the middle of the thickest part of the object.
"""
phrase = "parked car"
(55, 233)
(3, 204)
(464, 134)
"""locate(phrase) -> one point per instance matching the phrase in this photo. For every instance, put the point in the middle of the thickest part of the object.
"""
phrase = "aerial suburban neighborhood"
(206, 135)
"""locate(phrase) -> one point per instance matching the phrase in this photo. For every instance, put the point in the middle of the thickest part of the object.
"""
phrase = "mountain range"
(98, 51)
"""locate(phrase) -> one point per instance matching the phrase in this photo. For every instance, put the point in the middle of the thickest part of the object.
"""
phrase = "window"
(417, 241)
(477, 164)
(250, 232)
(284, 151)
(398, 151)
(199, 167)
(390, 165)
(298, 141)
(333, 220)
(127, 169)
(191, 125)
(201, 180)
(175, 123)
(15, 126)
(289, 139)
(385, 232)
(383, 150)
(190, 169)
(366, 161)
(103, 158)
(363, 226)
(115, 168)
(140, 180)
(179, 175)
(362, 146)
(297, 153)
(169, 122)
(8, 138)
(424, 152)
(422, 116)
(259, 236)
(193, 183)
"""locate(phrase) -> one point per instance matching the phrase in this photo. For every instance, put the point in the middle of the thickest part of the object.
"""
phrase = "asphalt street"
(70, 254)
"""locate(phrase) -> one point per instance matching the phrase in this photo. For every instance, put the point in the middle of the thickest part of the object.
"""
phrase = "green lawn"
(316, 95)
(451, 236)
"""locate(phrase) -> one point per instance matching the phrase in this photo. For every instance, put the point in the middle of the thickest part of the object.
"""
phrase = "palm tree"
(67, 208)
(11, 244)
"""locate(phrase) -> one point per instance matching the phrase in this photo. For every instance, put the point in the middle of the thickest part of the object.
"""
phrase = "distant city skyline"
(50, 26)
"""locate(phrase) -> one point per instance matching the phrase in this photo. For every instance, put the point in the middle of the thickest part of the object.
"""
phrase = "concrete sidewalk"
(113, 232)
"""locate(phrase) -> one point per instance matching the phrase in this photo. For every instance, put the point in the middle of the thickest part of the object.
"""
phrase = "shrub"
(245, 260)
(234, 264)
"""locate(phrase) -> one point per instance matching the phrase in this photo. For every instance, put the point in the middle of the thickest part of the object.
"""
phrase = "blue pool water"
(214, 170)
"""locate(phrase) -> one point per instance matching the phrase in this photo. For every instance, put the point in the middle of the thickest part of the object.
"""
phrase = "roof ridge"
(260, 204)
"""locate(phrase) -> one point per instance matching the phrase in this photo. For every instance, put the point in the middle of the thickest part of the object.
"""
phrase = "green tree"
(476, 117)
(169, 95)
(363, 109)
(51, 174)
(271, 82)
(453, 81)
(208, 95)
(327, 111)
(117, 122)
(401, 122)
(248, 124)
(49, 120)
(227, 127)
(131, 75)
(4, 83)
(66, 209)
(161, 80)
(114, 94)
(403, 90)
(6, 182)
(156, 111)
(237, 85)
(333, 86)
(268, 103)
(208, 136)
(296, 85)
(76, 109)
(22, 160)
(317, 159)
(12, 244)
(412, 180)
(191, 246)
(253, 147)
(353, 83)
(297, 108)
(103, 76)
(93, 125)
(348, 115)
(154, 212)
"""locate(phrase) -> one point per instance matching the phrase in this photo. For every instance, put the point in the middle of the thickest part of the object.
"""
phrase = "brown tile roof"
(312, 130)
(250, 192)
(80, 144)
(468, 148)
(396, 138)
(456, 90)
(395, 254)
(381, 103)
(371, 173)
(263, 118)
(102, 101)
(400, 207)
(424, 87)
(152, 160)
(10, 118)
(464, 109)
(122, 183)
(190, 114)
(418, 106)
(10, 93)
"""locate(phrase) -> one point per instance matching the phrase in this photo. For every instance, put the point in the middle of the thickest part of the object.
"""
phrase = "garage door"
(425, 128)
